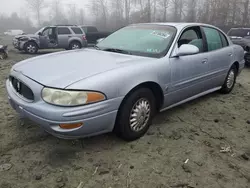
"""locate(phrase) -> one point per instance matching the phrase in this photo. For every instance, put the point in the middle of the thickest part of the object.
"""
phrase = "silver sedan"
(121, 83)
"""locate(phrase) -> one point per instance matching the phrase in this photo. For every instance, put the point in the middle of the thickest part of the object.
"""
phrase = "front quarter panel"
(119, 82)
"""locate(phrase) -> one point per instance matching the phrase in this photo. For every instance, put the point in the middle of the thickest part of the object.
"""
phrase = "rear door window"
(214, 41)
(63, 31)
(77, 30)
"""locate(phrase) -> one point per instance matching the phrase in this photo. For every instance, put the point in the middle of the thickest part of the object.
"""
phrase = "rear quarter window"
(77, 30)
(224, 40)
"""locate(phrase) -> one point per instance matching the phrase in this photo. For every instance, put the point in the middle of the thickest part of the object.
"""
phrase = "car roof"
(240, 28)
(179, 24)
(87, 26)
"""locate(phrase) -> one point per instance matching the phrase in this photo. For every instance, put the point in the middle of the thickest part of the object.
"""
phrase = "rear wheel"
(31, 48)
(230, 80)
(135, 115)
(75, 45)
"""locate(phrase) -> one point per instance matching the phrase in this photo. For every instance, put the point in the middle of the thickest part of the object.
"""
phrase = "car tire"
(135, 115)
(247, 63)
(230, 80)
(75, 45)
(31, 48)
(3, 55)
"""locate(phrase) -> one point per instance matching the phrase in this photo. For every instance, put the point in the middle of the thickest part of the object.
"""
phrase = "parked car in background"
(241, 36)
(92, 34)
(59, 36)
(3, 51)
(14, 32)
(119, 85)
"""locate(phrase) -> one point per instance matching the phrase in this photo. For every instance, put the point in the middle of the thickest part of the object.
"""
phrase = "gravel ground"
(204, 143)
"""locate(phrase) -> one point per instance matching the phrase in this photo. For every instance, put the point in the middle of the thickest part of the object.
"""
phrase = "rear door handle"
(204, 61)
(230, 54)
(69, 36)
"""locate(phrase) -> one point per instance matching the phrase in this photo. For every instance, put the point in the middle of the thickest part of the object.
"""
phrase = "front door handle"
(230, 54)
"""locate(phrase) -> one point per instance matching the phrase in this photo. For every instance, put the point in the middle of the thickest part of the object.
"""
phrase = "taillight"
(84, 37)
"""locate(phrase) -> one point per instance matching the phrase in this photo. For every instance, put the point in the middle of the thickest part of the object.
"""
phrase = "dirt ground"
(211, 134)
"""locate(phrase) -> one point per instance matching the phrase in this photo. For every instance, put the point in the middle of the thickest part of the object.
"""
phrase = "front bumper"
(96, 118)
(18, 44)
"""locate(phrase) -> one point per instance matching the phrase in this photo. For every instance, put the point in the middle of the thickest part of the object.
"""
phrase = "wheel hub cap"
(75, 46)
(230, 79)
(139, 115)
(31, 48)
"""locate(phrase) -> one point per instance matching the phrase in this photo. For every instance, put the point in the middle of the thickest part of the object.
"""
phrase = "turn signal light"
(71, 126)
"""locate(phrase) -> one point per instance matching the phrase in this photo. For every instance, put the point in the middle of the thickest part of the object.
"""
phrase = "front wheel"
(135, 115)
(3, 55)
(31, 48)
(230, 80)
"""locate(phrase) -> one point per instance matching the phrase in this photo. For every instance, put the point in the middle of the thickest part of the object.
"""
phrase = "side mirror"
(40, 34)
(99, 40)
(186, 49)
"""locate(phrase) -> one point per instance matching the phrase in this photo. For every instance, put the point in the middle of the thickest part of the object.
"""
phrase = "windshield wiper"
(116, 50)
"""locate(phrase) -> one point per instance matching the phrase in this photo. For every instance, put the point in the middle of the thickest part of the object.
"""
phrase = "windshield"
(40, 30)
(144, 40)
(239, 32)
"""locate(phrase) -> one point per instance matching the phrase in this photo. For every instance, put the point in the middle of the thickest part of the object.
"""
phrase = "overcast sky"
(9, 6)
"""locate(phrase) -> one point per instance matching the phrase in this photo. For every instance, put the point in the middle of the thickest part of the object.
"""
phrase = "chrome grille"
(21, 88)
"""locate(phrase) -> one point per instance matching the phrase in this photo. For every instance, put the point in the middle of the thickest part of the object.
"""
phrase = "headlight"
(24, 39)
(70, 98)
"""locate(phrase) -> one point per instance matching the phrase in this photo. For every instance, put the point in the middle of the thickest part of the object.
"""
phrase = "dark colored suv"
(241, 36)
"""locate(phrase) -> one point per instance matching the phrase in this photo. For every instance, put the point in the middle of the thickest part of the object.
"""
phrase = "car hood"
(62, 69)
(27, 36)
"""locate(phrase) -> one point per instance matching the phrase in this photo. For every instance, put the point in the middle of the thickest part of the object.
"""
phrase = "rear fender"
(75, 39)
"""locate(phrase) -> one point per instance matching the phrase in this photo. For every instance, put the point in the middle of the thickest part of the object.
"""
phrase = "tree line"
(114, 14)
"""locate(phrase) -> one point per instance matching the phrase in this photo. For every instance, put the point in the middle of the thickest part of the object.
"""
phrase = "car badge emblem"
(18, 86)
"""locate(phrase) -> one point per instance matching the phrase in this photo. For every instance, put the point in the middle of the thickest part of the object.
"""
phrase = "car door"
(220, 56)
(188, 73)
(63, 36)
(44, 38)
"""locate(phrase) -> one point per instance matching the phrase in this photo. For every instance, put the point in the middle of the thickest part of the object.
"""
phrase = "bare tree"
(191, 16)
(245, 12)
(57, 12)
(37, 6)
(81, 16)
(178, 9)
(72, 11)
(127, 10)
(165, 5)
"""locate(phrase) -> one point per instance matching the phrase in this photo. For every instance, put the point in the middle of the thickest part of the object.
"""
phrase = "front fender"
(119, 82)
(23, 43)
